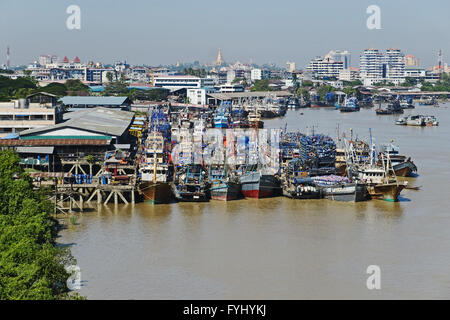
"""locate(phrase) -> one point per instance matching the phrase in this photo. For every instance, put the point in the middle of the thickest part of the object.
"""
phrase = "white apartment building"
(371, 66)
(394, 60)
(377, 67)
(259, 74)
(343, 56)
(182, 82)
(198, 95)
(325, 67)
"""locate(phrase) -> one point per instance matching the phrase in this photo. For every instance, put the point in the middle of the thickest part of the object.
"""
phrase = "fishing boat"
(221, 122)
(380, 184)
(255, 184)
(224, 186)
(349, 192)
(296, 184)
(407, 104)
(191, 183)
(255, 121)
(350, 105)
(402, 166)
(430, 101)
(154, 173)
(294, 103)
(340, 188)
(301, 188)
(329, 100)
(392, 108)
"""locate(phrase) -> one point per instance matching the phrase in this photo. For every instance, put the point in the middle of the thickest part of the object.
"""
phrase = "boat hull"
(404, 169)
(388, 191)
(258, 186)
(191, 193)
(225, 191)
(156, 193)
(351, 192)
(293, 194)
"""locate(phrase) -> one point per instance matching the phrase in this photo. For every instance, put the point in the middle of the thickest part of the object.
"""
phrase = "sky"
(159, 32)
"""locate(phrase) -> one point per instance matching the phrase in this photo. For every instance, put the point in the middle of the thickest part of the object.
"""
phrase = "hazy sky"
(157, 32)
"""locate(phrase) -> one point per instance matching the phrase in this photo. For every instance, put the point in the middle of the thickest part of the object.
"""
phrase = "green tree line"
(24, 86)
(32, 266)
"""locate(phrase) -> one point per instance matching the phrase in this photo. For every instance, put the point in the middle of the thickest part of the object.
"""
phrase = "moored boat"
(154, 172)
(255, 184)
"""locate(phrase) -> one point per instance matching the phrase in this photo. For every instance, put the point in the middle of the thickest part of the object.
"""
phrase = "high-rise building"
(376, 67)
(325, 67)
(394, 62)
(411, 61)
(371, 66)
(340, 56)
(290, 66)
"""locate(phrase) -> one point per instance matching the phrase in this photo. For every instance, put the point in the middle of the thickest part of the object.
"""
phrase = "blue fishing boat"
(191, 183)
(224, 186)
(350, 105)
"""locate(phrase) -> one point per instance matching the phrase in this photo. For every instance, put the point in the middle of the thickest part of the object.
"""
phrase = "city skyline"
(246, 31)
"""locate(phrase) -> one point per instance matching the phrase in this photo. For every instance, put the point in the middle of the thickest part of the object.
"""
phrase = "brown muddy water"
(280, 248)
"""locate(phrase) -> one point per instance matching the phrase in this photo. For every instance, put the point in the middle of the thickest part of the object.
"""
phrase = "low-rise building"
(182, 82)
(350, 74)
(36, 111)
(198, 95)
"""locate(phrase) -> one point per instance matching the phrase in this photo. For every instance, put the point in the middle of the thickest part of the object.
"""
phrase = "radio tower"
(440, 62)
(7, 57)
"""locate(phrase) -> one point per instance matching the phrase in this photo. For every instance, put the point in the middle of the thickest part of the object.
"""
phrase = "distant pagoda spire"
(219, 59)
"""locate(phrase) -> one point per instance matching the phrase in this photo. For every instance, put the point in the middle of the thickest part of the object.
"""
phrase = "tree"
(261, 85)
(116, 88)
(109, 76)
(303, 92)
(55, 88)
(76, 87)
(323, 90)
(31, 265)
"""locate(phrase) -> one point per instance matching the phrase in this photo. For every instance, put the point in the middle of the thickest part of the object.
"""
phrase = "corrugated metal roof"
(38, 150)
(93, 100)
(100, 120)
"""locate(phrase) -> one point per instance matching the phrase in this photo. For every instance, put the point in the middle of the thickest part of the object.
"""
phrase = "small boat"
(350, 105)
(401, 121)
(431, 121)
(428, 102)
(415, 120)
(407, 103)
(392, 108)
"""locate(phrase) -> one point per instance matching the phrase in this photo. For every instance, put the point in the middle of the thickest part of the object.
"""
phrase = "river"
(280, 248)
